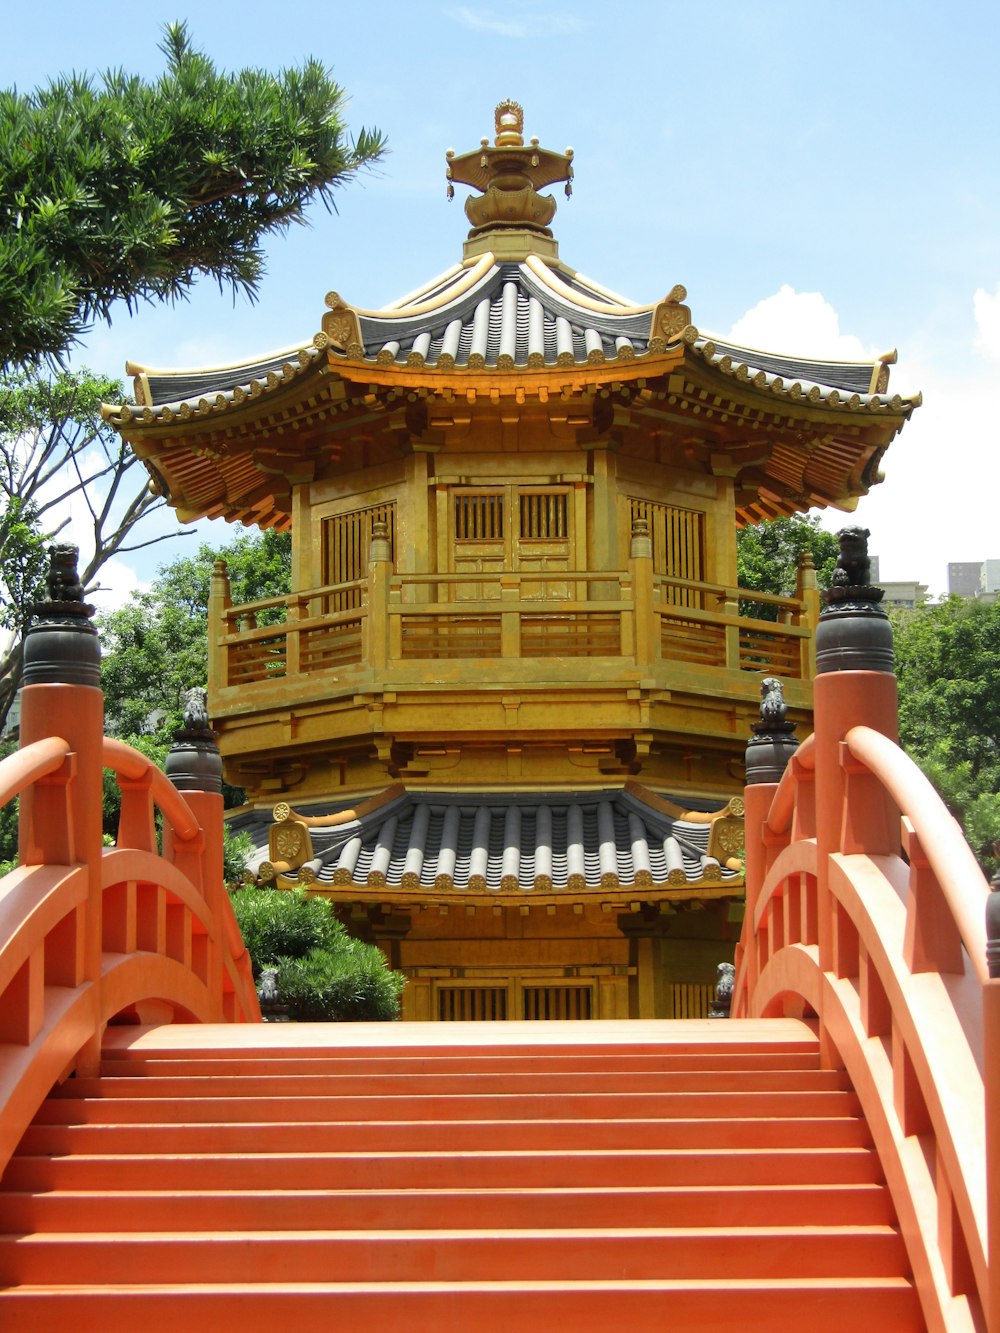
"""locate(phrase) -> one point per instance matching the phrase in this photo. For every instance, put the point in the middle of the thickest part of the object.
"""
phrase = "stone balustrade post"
(60, 817)
(768, 753)
(194, 766)
(854, 686)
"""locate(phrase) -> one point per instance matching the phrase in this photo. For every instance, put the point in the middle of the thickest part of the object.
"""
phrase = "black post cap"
(61, 646)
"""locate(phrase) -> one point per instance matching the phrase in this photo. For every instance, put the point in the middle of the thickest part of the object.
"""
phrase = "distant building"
(965, 577)
(907, 593)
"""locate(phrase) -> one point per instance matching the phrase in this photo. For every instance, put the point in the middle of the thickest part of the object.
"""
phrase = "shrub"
(236, 851)
(324, 975)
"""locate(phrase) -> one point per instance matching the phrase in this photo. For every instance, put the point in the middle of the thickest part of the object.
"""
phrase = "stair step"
(408, 1170)
(519, 1106)
(511, 1084)
(736, 1205)
(482, 1177)
(430, 1135)
(755, 1306)
(126, 1062)
(452, 1255)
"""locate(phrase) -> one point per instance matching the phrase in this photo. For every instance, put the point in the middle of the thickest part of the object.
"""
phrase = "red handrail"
(133, 765)
(942, 841)
(25, 767)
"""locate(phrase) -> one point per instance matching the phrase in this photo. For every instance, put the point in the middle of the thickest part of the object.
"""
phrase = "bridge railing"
(92, 935)
(866, 913)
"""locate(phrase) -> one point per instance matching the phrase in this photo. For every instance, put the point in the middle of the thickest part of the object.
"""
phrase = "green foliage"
(276, 924)
(948, 665)
(56, 451)
(349, 985)
(323, 974)
(111, 797)
(236, 850)
(156, 646)
(117, 189)
(767, 557)
(23, 561)
(8, 821)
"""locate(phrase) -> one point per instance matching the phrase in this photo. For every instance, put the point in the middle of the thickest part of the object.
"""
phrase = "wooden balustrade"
(389, 620)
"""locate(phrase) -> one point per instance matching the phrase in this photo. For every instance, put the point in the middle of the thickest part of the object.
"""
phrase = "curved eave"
(793, 387)
(610, 846)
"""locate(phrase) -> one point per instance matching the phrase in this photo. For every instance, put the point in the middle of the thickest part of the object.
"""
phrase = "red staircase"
(690, 1175)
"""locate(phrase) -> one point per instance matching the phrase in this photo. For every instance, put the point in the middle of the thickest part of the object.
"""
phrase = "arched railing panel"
(868, 911)
(91, 934)
(909, 1169)
(24, 768)
(29, 1070)
(34, 900)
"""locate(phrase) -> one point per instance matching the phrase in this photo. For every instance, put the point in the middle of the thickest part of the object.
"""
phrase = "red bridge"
(830, 1155)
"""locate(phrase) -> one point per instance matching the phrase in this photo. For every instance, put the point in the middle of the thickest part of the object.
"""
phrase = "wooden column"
(648, 984)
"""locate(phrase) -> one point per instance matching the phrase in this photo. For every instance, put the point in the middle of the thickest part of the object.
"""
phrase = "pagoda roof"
(510, 321)
(530, 314)
(492, 844)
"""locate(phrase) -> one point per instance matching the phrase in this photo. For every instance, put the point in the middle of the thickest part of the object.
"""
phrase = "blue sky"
(823, 180)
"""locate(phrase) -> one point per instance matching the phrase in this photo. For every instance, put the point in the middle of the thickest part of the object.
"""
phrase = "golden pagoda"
(500, 717)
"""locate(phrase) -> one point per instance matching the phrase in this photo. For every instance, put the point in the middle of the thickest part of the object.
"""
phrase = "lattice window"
(558, 1002)
(481, 1004)
(479, 516)
(544, 515)
(346, 541)
(678, 538)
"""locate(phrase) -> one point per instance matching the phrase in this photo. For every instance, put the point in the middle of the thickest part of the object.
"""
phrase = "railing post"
(768, 753)
(731, 633)
(644, 616)
(854, 686)
(219, 601)
(807, 591)
(293, 636)
(194, 766)
(510, 616)
(61, 696)
(379, 574)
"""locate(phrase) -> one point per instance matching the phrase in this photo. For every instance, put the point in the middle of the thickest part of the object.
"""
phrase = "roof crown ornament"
(509, 173)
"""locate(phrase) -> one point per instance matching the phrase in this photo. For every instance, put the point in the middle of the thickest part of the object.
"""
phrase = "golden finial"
(510, 173)
(509, 118)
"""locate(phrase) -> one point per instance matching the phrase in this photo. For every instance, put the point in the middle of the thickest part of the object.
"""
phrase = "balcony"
(395, 631)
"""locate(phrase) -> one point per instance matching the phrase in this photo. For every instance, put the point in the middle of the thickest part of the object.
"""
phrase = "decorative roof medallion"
(510, 174)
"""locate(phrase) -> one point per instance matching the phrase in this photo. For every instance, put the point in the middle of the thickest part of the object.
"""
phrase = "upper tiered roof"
(513, 318)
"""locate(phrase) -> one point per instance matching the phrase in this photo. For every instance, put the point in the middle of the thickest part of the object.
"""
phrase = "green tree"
(767, 557)
(948, 665)
(324, 975)
(118, 189)
(156, 646)
(57, 452)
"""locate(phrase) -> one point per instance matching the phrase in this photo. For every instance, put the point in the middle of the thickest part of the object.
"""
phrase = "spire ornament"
(854, 633)
(772, 743)
(61, 646)
(509, 173)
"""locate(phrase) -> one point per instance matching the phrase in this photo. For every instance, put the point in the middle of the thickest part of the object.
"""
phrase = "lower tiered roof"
(564, 843)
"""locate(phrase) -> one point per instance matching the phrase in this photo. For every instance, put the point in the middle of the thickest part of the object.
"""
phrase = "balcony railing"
(624, 620)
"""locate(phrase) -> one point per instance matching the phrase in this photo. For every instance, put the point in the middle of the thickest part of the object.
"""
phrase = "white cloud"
(118, 581)
(801, 324)
(987, 312)
(933, 506)
(554, 24)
